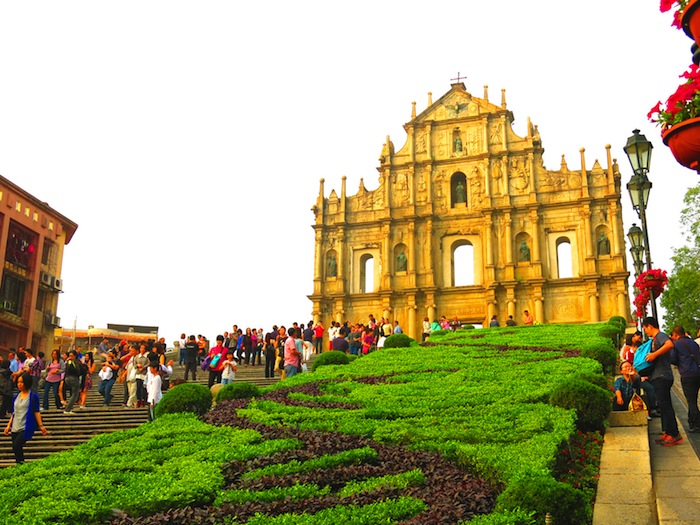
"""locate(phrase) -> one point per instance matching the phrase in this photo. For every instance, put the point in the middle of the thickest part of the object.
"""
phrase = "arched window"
(462, 264)
(458, 188)
(564, 262)
(366, 274)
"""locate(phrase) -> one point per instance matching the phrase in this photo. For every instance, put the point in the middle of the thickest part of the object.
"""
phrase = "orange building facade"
(32, 238)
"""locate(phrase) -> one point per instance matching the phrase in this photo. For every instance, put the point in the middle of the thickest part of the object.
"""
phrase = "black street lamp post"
(638, 150)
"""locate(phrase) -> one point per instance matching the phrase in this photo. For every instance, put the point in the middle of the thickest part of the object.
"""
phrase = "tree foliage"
(682, 297)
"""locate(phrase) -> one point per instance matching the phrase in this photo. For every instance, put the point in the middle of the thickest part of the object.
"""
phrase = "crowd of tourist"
(654, 388)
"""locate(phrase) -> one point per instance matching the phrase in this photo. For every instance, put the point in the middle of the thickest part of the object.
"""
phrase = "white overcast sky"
(187, 139)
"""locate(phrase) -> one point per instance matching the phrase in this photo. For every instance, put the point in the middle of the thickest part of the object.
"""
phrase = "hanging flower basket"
(684, 141)
(651, 282)
(690, 20)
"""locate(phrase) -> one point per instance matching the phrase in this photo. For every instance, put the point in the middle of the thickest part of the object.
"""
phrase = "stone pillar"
(539, 309)
(586, 213)
(413, 329)
(319, 260)
(535, 220)
(385, 257)
(509, 238)
(340, 250)
(431, 311)
(614, 230)
(429, 140)
(411, 259)
(511, 307)
(594, 306)
(430, 270)
(488, 228)
(623, 306)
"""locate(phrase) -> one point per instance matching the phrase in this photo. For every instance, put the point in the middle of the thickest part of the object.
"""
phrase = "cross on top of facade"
(459, 78)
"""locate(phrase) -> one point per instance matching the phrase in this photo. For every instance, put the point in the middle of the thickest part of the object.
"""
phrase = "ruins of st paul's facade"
(468, 222)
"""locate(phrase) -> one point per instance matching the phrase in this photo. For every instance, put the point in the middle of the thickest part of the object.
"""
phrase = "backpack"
(641, 365)
(205, 363)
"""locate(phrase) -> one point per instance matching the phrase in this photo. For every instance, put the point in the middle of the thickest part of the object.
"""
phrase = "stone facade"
(465, 185)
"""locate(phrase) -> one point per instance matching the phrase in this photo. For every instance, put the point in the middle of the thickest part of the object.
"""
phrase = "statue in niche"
(524, 252)
(497, 178)
(460, 193)
(457, 145)
(495, 136)
(401, 262)
(332, 266)
(603, 244)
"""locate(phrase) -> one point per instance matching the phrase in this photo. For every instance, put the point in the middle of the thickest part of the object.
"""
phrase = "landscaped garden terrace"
(494, 426)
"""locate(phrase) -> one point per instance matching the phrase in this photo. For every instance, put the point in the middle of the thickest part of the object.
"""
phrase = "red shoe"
(672, 441)
(664, 437)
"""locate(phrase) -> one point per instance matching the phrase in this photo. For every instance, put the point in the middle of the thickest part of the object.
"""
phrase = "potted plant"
(651, 282)
(679, 118)
(686, 16)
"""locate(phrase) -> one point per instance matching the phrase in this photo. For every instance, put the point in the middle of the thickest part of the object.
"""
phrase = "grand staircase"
(67, 431)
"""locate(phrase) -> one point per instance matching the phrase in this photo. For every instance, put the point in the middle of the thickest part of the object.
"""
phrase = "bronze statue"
(401, 262)
(332, 267)
(524, 252)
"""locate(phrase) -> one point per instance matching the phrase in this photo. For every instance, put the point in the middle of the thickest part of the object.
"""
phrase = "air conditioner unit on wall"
(7, 305)
(47, 279)
(57, 284)
(55, 321)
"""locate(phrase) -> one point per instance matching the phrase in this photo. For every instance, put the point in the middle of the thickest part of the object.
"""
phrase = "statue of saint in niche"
(460, 193)
(332, 267)
(401, 262)
(524, 252)
(603, 244)
(458, 145)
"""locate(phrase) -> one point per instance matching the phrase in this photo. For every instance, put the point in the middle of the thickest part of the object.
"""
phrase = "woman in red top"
(367, 340)
(216, 365)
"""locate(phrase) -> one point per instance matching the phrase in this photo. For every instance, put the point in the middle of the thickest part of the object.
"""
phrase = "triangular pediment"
(457, 103)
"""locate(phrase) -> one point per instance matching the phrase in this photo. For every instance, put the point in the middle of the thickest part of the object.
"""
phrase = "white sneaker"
(70, 412)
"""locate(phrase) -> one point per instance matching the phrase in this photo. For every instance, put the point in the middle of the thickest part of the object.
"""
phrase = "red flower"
(666, 5)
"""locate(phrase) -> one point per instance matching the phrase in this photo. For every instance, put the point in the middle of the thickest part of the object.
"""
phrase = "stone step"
(67, 430)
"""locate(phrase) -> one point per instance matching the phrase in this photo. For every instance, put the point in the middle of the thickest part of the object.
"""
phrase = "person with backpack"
(661, 378)
(72, 380)
(686, 356)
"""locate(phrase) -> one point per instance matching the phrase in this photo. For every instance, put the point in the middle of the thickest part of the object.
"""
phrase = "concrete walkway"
(642, 483)
(676, 470)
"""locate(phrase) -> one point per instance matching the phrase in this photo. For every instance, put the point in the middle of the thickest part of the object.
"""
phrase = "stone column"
(614, 229)
(488, 237)
(535, 220)
(430, 270)
(594, 306)
(385, 257)
(539, 309)
(623, 306)
(340, 250)
(413, 330)
(509, 238)
(411, 259)
(319, 260)
(586, 213)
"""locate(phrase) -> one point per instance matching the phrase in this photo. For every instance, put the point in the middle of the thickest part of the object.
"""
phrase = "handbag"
(205, 363)
(214, 361)
(637, 403)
